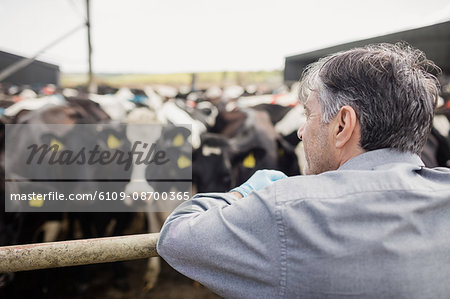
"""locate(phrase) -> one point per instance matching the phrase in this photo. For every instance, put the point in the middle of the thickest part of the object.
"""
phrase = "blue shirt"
(378, 227)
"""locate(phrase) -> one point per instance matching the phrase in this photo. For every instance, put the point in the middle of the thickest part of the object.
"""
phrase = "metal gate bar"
(77, 252)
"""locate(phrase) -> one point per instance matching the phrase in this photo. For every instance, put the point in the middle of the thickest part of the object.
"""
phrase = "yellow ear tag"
(183, 162)
(113, 142)
(249, 161)
(178, 140)
(53, 142)
(280, 152)
(36, 202)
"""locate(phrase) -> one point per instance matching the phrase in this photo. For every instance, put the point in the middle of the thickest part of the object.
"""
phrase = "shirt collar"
(375, 158)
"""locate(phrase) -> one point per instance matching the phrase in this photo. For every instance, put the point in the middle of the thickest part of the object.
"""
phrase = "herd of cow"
(232, 135)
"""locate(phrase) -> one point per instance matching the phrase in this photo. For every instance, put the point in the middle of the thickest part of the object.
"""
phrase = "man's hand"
(259, 180)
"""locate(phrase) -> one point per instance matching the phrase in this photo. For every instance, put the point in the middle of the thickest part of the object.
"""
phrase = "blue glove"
(259, 180)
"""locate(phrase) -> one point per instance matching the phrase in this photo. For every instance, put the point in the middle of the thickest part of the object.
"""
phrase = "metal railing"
(77, 252)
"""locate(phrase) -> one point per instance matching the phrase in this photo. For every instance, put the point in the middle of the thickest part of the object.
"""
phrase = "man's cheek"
(305, 158)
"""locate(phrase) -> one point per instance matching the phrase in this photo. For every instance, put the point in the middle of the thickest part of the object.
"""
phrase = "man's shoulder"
(350, 182)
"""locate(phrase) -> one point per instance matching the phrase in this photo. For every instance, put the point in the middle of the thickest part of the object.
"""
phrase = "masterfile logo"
(96, 156)
(96, 167)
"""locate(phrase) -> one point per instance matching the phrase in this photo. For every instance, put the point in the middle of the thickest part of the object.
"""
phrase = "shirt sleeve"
(229, 245)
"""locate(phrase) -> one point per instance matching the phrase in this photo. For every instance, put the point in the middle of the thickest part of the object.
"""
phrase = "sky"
(168, 36)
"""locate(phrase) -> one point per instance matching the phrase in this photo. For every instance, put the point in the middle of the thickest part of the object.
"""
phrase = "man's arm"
(227, 243)
(236, 194)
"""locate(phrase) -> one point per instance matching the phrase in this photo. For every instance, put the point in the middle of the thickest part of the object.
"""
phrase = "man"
(368, 221)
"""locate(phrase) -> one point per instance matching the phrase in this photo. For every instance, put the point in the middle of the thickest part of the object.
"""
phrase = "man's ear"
(346, 122)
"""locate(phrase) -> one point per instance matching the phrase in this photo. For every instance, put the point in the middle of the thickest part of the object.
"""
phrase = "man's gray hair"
(390, 87)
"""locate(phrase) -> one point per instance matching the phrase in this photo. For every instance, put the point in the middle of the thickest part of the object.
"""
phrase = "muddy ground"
(112, 280)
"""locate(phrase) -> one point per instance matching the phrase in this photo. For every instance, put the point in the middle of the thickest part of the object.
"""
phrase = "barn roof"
(37, 73)
(434, 40)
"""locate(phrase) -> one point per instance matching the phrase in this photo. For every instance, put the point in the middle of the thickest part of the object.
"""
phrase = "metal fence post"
(77, 252)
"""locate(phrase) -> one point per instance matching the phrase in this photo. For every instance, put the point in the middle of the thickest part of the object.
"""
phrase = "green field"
(203, 80)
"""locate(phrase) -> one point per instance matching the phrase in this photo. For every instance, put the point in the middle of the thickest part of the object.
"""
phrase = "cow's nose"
(300, 132)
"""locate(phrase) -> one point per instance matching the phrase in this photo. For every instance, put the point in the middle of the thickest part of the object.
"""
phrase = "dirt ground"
(100, 281)
(109, 280)
(112, 280)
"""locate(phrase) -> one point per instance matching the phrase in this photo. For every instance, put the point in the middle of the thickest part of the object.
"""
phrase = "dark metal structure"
(434, 40)
(37, 73)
